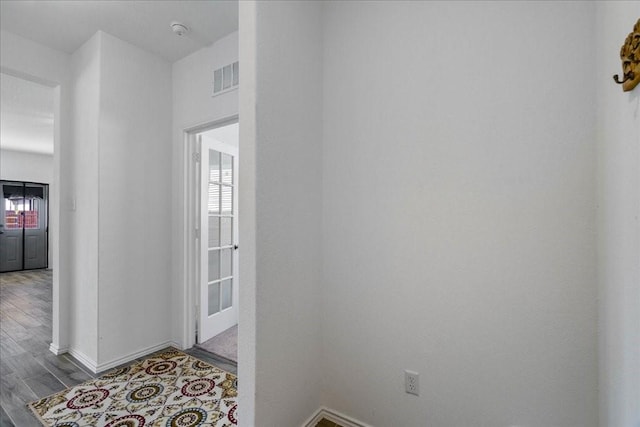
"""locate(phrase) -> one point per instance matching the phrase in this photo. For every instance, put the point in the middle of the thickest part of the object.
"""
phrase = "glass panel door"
(11, 226)
(23, 226)
(35, 226)
(218, 301)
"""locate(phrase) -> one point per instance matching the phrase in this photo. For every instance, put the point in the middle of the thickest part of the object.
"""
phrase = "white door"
(218, 238)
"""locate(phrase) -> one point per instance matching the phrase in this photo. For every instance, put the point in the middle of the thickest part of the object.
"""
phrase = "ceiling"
(229, 134)
(65, 25)
(26, 115)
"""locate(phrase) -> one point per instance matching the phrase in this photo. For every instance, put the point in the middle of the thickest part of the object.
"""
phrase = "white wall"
(193, 105)
(83, 307)
(134, 236)
(24, 166)
(120, 153)
(618, 223)
(280, 211)
(247, 326)
(459, 212)
(25, 59)
(193, 85)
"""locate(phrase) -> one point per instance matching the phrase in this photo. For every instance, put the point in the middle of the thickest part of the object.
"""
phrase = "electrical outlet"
(412, 382)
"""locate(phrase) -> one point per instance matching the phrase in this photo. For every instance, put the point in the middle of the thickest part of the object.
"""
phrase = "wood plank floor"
(28, 370)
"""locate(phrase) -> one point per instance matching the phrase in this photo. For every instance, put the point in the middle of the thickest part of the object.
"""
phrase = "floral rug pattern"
(171, 389)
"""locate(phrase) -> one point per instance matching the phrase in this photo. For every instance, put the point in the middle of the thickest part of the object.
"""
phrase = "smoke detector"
(179, 28)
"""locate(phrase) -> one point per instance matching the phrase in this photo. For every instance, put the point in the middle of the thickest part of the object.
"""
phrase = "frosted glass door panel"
(226, 231)
(227, 169)
(214, 231)
(214, 265)
(226, 294)
(213, 203)
(214, 298)
(225, 263)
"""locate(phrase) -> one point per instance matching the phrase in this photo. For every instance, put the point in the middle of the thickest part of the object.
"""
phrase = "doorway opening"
(216, 251)
(31, 138)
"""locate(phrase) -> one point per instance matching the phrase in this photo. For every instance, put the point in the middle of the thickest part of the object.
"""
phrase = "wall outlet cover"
(412, 382)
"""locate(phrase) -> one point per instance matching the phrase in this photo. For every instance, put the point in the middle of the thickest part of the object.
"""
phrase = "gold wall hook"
(630, 56)
(627, 77)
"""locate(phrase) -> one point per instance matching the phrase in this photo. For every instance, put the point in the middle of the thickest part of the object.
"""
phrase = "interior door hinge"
(197, 230)
(196, 157)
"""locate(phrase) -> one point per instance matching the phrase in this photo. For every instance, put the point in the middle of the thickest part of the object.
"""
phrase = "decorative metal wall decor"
(630, 56)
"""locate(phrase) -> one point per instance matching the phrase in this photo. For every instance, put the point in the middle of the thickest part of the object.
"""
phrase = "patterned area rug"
(171, 389)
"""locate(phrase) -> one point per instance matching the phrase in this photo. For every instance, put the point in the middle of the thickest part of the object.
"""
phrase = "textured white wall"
(83, 304)
(459, 212)
(618, 223)
(280, 211)
(134, 237)
(25, 59)
(247, 212)
(193, 105)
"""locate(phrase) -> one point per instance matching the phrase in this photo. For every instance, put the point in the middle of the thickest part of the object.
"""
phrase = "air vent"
(226, 78)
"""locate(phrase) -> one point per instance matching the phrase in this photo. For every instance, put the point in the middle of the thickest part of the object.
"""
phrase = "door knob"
(235, 247)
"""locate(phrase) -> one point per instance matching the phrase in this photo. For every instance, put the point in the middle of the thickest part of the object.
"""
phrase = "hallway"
(28, 370)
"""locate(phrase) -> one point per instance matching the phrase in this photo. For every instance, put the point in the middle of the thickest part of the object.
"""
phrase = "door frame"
(190, 203)
(60, 260)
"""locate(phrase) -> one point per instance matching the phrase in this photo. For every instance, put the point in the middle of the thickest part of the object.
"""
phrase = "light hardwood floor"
(28, 370)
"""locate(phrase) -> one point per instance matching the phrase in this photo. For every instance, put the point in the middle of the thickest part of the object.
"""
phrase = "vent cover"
(226, 78)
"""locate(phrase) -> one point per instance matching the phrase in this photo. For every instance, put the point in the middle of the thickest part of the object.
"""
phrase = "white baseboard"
(96, 368)
(176, 345)
(101, 367)
(57, 350)
(86, 361)
(334, 416)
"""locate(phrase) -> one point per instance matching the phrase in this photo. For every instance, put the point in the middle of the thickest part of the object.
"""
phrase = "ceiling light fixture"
(179, 28)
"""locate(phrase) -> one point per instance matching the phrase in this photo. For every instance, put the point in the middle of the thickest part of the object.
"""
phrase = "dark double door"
(23, 226)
